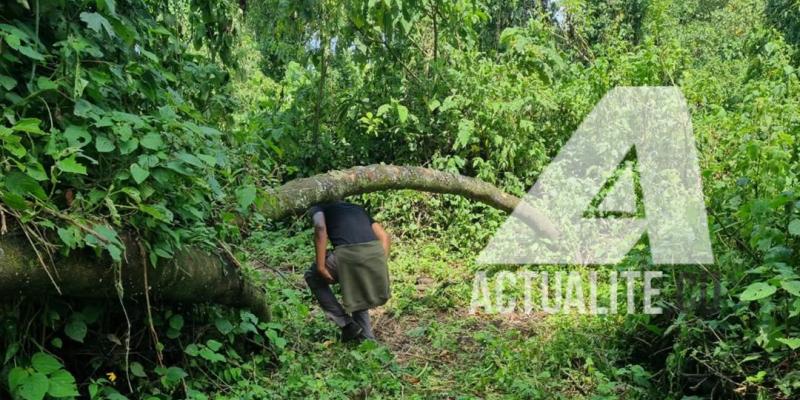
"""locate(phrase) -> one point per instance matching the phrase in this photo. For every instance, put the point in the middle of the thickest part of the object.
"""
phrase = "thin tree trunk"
(435, 33)
(323, 72)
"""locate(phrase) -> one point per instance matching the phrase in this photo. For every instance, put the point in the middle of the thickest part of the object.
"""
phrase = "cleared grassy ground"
(430, 346)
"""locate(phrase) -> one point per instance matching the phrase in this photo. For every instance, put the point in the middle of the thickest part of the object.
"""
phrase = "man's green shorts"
(363, 275)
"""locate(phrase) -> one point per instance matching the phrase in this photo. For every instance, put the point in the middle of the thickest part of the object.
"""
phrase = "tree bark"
(296, 196)
(195, 276)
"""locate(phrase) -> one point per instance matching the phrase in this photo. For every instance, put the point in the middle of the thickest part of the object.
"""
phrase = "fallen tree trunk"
(192, 276)
(196, 276)
(298, 195)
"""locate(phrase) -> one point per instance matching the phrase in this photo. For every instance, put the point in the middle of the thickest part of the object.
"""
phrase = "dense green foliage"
(166, 118)
(110, 120)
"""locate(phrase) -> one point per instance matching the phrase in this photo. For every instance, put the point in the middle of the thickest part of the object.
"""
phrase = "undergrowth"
(429, 346)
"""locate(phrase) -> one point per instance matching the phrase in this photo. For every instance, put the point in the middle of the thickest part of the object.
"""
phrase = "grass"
(429, 345)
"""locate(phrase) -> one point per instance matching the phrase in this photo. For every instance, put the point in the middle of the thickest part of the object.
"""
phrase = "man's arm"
(321, 244)
(383, 236)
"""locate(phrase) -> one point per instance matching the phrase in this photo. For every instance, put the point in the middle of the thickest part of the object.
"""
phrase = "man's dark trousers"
(333, 309)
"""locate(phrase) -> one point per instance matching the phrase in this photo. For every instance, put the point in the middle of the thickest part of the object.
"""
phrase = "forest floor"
(430, 346)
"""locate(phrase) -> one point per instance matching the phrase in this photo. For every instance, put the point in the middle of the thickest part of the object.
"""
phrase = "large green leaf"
(793, 343)
(77, 136)
(792, 287)
(190, 159)
(18, 183)
(137, 370)
(31, 53)
(103, 144)
(29, 125)
(13, 40)
(174, 374)
(36, 170)
(139, 174)
(757, 291)
(13, 200)
(223, 326)
(152, 141)
(129, 146)
(157, 211)
(13, 144)
(245, 196)
(16, 377)
(7, 82)
(210, 160)
(211, 355)
(108, 6)
(108, 234)
(176, 322)
(402, 113)
(45, 363)
(794, 227)
(76, 329)
(465, 129)
(62, 384)
(45, 84)
(213, 345)
(33, 387)
(96, 22)
(70, 235)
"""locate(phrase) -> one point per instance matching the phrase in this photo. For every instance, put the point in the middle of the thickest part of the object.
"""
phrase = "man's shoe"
(352, 331)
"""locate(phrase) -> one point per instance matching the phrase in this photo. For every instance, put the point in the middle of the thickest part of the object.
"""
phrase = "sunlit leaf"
(793, 343)
(757, 291)
(29, 125)
(45, 363)
(792, 287)
(33, 387)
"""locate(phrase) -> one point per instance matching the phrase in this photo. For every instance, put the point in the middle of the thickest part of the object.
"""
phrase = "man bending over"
(357, 263)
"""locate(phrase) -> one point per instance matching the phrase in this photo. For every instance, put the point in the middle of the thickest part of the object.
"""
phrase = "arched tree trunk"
(297, 195)
(197, 276)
